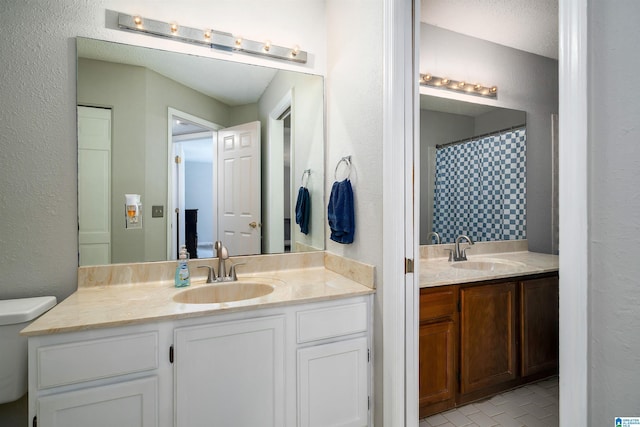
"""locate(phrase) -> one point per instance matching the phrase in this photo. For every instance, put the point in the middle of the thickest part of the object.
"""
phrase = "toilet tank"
(15, 315)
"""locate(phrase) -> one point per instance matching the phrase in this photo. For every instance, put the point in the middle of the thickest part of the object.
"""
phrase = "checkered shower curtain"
(481, 189)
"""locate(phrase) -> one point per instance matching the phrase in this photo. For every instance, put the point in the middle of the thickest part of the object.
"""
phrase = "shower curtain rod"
(462, 141)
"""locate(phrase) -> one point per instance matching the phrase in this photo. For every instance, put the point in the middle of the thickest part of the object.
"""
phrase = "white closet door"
(94, 185)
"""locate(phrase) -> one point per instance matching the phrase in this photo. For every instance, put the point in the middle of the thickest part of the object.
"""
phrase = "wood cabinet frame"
(518, 342)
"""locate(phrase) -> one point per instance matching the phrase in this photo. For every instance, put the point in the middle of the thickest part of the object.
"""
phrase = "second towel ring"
(347, 161)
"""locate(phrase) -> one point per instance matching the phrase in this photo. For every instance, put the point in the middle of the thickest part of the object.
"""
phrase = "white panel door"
(94, 185)
(231, 374)
(333, 384)
(127, 404)
(239, 188)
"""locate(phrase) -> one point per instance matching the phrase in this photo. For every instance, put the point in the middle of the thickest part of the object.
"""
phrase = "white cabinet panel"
(94, 359)
(331, 322)
(126, 404)
(231, 374)
(333, 383)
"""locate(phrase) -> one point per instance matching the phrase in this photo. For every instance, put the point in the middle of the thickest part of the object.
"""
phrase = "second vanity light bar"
(459, 86)
(209, 38)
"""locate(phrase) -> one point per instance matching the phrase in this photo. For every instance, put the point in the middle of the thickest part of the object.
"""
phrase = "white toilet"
(15, 315)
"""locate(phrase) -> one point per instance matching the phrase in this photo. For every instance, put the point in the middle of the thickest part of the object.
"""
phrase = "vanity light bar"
(458, 86)
(210, 38)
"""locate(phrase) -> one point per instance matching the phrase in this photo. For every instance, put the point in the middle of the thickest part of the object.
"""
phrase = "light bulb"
(461, 84)
(238, 42)
(295, 50)
(267, 46)
(207, 34)
(478, 86)
(427, 77)
(137, 20)
(445, 81)
(494, 89)
(174, 28)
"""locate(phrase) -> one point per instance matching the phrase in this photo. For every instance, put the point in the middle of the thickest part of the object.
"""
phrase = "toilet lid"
(22, 310)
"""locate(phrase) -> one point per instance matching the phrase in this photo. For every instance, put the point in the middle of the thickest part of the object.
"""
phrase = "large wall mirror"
(205, 149)
(473, 171)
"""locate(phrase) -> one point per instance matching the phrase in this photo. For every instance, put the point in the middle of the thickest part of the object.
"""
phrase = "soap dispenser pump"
(182, 278)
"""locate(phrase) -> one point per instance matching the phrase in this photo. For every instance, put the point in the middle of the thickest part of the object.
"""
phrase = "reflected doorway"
(192, 214)
(287, 190)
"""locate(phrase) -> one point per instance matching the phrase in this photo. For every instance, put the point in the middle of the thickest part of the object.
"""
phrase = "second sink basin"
(223, 292)
(486, 265)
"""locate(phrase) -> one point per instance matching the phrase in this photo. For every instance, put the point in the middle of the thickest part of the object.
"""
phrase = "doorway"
(278, 233)
(192, 216)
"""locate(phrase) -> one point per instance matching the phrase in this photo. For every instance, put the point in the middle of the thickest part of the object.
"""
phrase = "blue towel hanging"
(303, 210)
(340, 212)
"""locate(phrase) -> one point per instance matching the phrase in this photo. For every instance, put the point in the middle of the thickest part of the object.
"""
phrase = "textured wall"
(526, 82)
(354, 127)
(614, 212)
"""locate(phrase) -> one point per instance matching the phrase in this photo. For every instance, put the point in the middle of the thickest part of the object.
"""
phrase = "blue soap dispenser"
(182, 270)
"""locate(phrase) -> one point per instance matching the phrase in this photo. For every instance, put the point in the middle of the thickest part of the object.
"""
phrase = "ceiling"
(528, 25)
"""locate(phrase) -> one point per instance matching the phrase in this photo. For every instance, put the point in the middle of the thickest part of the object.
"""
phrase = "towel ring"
(346, 160)
(306, 172)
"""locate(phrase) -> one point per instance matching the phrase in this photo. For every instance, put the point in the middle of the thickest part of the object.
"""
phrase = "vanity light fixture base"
(210, 38)
(458, 86)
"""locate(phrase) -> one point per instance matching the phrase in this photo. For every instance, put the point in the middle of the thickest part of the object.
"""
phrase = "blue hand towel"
(340, 212)
(303, 209)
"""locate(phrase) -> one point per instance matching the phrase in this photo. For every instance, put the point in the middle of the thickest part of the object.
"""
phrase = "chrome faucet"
(433, 234)
(461, 254)
(223, 255)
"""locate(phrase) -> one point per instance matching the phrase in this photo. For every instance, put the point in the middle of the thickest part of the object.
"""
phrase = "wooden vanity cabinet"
(479, 339)
(488, 353)
(438, 349)
(539, 326)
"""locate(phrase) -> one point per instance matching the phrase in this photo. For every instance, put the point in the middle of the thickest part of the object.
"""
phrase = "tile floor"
(532, 405)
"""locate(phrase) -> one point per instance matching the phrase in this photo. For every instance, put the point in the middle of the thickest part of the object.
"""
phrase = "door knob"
(253, 224)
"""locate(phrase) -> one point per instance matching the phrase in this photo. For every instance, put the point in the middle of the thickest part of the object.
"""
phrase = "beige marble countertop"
(125, 304)
(439, 271)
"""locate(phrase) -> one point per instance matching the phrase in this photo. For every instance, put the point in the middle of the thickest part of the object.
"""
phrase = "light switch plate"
(157, 211)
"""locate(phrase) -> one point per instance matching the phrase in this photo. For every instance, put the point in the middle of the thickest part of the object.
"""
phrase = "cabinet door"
(333, 384)
(437, 366)
(539, 325)
(487, 336)
(230, 374)
(127, 404)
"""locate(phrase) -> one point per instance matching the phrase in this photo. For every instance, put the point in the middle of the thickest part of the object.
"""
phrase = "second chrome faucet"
(461, 254)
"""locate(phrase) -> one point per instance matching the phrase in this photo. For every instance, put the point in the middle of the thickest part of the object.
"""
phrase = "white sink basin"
(487, 265)
(223, 292)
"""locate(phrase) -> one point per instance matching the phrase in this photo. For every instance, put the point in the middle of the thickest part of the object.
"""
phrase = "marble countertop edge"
(440, 272)
(127, 304)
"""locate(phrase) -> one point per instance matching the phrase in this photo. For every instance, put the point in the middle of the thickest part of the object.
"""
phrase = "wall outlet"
(157, 211)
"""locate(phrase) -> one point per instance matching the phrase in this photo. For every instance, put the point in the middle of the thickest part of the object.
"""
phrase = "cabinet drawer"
(90, 360)
(331, 322)
(438, 302)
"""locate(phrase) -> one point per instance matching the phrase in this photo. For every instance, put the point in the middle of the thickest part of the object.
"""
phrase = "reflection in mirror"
(473, 171)
(215, 149)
